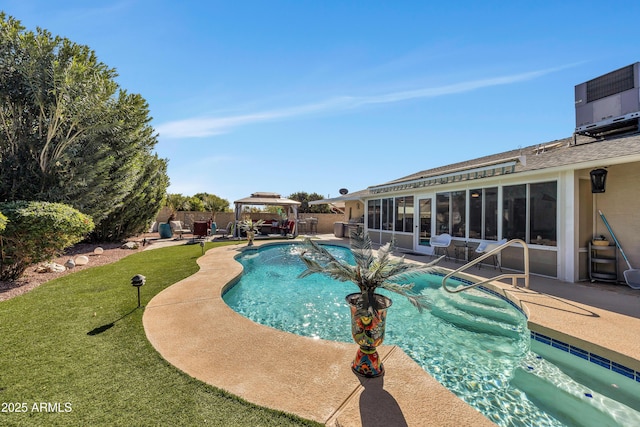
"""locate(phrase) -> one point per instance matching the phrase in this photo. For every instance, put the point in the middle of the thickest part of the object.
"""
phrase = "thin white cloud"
(211, 126)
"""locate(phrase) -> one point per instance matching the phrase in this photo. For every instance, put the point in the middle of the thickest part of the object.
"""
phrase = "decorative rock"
(98, 251)
(50, 267)
(82, 260)
(70, 263)
(130, 245)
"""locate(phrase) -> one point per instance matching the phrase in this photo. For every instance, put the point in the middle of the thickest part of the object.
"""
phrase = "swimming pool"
(474, 343)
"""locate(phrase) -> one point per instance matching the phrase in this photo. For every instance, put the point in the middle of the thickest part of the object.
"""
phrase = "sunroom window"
(529, 212)
(442, 213)
(543, 212)
(483, 213)
(514, 211)
(387, 214)
(373, 214)
(404, 214)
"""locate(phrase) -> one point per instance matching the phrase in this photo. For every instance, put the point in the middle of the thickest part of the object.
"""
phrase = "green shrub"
(36, 232)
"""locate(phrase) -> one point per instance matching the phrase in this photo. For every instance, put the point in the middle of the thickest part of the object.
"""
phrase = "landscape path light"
(137, 281)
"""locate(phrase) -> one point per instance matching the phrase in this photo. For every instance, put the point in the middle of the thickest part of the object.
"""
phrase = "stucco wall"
(325, 221)
(353, 210)
(620, 203)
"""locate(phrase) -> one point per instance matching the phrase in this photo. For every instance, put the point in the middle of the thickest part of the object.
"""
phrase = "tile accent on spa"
(586, 355)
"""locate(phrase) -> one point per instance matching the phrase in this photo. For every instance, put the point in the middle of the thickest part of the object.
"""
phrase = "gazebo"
(268, 199)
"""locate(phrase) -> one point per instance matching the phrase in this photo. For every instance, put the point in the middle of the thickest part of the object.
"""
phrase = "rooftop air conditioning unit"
(609, 102)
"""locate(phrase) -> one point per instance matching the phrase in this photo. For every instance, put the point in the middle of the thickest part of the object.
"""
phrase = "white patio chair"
(441, 242)
(487, 246)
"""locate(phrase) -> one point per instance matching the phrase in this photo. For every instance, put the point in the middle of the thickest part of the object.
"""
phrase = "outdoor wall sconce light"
(598, 180)
(137, 281)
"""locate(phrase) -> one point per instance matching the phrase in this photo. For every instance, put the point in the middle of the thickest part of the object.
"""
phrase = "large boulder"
(50, 267)
(82, 260)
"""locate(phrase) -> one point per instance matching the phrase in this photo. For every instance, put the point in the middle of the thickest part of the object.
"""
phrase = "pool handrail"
(513, 276)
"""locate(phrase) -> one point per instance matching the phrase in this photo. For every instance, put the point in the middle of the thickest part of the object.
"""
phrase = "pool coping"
(193, 329)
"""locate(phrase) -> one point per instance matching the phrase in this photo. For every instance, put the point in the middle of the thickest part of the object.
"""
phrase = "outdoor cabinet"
(603, 263)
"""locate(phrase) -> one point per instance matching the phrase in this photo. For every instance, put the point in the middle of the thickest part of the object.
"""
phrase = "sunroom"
(471, 206)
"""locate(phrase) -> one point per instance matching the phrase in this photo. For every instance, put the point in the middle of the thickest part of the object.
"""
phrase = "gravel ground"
(32, 279)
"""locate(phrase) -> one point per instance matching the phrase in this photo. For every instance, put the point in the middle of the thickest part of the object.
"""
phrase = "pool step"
(567, 400)
(478, 305)
(476, 321)
(482, 297)
(476, 311)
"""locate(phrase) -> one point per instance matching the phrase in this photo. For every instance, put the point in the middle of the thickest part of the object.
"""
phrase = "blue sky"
(314, 96)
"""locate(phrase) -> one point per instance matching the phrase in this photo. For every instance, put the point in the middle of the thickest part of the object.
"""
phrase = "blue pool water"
(474, 343)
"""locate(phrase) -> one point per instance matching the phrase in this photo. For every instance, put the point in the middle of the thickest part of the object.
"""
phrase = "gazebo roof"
(267, 199)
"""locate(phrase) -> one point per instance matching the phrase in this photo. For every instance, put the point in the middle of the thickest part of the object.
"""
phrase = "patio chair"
(200, 229)
(487, 246)
(441, 242)
(225, 231)
(179, 229)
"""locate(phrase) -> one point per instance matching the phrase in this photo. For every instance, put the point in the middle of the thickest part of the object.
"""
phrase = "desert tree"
(68, 132)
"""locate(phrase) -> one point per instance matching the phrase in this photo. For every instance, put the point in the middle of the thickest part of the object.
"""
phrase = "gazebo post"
(295, 221)
(236, 232)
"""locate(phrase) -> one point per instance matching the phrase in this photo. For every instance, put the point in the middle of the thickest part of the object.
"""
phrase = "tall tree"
(176, 202)
(305, 198)
(68, 133)
(141, 205)
(213, 203)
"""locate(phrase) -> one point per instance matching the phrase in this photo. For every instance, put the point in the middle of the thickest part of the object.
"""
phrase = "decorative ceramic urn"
(368, 333)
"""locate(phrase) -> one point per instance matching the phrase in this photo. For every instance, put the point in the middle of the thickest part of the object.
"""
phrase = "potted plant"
(173, 202)
(368, 308)
(250, 227)
(164, 228)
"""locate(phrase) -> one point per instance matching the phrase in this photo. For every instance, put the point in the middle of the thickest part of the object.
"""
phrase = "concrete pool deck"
(192, 328)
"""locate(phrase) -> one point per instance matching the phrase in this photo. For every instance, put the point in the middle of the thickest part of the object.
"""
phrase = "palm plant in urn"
(368, 308)
(250, 227)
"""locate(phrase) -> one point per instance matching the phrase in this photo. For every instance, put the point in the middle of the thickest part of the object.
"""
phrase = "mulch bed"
(32, 279)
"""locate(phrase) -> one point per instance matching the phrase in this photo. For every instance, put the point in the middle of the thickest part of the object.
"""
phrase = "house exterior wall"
(577, 220)
(544, 259)
(620, 203)
(585, 224)
(353, 210)
(567, 227)
(402, 240)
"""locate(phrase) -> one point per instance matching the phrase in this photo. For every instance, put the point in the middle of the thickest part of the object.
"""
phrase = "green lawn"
(74, 352)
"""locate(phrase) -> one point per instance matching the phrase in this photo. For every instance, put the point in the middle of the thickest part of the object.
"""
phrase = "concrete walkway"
(193, 329)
